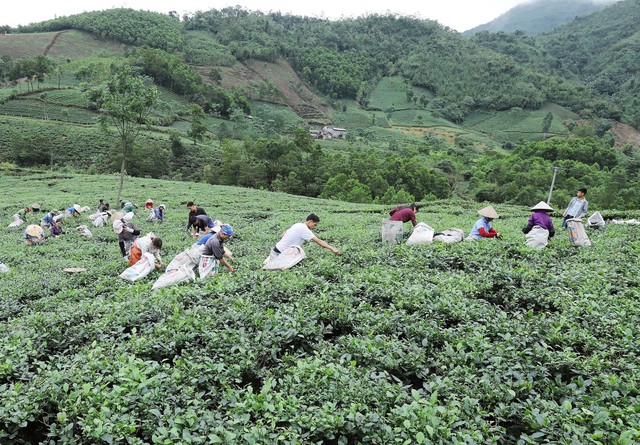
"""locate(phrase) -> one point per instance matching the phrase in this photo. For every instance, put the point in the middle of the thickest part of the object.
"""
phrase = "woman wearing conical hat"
(34, 234)
(482, 228)
(540, 218)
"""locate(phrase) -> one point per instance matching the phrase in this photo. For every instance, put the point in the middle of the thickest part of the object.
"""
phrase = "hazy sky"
(457, 14)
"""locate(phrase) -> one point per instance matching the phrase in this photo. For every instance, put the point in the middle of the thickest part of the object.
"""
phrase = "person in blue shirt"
(482, 228)
(47, 221)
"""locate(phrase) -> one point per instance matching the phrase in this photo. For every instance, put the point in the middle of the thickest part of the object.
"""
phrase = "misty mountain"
(540, 16)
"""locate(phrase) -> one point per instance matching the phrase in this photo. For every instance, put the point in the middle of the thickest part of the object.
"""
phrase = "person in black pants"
(194, 211)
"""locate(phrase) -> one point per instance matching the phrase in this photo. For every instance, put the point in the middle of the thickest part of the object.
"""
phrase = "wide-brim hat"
(117, 216)
(77, 207)
(542, 206)
(35, 206)
(162, 205)
(34, 230)
(488, 212)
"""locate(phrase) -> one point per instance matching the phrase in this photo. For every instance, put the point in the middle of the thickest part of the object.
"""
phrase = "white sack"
(577, 235)
(174, 276)
(100, 221)
(208, 265)
(537, 237)
(286, 260)
(595, 220)
(141, 269)
(422, 234)
(17, 221)
(189, 258)
(450, 236)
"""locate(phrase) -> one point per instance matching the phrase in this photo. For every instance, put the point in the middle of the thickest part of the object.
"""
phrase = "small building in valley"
(329, 132)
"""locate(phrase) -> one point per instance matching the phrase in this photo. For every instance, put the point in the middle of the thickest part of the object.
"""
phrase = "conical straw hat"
(542, 206)
(488, 212)
(34, 230)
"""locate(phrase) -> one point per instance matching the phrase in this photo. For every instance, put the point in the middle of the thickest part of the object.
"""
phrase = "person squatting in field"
(297, 234)
(540, 218)
(482, 228)
(33, 235)
(56, 229)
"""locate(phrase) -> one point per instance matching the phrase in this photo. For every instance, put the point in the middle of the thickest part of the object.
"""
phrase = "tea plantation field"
(472, 343)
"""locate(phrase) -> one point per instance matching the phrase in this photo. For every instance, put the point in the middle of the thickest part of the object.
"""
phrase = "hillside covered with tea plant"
(476, 342)
(424, 108)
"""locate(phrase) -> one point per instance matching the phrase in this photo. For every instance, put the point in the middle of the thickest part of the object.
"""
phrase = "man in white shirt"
(298, 233)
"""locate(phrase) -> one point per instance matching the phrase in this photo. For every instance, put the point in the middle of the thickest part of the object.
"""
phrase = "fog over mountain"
(540, 16)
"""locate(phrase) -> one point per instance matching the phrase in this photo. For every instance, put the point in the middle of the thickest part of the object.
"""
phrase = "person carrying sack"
(215, 245)
(297, 234)
(146, 244)
(577, 207)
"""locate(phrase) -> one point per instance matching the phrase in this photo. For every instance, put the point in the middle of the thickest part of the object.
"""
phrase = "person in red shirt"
(405, 213)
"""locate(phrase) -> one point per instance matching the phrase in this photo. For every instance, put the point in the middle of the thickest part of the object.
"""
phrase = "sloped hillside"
(275, 82)
(59, 46)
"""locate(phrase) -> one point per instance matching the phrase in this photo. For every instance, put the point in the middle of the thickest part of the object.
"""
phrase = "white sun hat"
(542, 206)
(488, 212)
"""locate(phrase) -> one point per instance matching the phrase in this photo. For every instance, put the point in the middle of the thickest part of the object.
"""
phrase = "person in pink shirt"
(405, 213)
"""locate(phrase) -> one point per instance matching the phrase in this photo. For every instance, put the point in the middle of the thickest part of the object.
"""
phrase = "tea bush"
(487, 342)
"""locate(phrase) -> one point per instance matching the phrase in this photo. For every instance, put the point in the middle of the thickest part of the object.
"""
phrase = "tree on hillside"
(198, 129)
(124, 102)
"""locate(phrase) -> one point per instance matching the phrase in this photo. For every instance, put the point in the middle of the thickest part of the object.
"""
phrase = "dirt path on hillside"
(53, 40)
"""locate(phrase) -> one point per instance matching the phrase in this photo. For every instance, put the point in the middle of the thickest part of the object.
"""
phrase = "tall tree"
(124, 102)
(198, 129)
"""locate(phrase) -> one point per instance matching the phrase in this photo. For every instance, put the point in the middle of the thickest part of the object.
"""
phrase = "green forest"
(429, 113)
